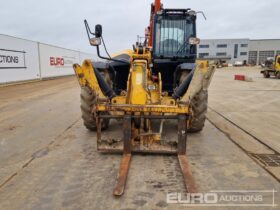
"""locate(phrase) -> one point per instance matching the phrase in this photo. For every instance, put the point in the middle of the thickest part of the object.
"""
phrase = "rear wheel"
(88, 100)
(278, 75)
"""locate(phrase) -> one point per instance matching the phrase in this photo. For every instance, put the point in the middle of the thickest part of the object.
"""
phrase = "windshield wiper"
(182, 47)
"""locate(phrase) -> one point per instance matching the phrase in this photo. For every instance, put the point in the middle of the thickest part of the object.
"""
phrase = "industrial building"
(260, 50)
(253, 52)
(24, 60)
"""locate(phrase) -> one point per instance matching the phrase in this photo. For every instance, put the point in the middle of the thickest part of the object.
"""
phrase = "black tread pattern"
(266, 74)
(199, 107)
(88, 99)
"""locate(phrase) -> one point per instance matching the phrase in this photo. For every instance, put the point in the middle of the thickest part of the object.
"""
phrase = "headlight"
(194, 41)
(95, 41)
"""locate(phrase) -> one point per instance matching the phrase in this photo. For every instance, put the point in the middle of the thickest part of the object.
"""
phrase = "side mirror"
(95, 41)
(98, 31)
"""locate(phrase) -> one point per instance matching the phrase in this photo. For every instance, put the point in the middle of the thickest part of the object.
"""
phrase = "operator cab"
(174, 44)
(173, 32)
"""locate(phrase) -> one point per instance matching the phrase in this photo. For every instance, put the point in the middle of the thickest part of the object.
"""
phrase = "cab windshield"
(171, 36)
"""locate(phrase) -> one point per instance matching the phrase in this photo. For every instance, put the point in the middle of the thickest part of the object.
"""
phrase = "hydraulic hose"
(106, 89)
(182, 89)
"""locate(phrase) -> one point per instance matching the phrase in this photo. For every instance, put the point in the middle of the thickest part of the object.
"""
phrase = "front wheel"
(266, 74)
(88, 100)
(199, 107)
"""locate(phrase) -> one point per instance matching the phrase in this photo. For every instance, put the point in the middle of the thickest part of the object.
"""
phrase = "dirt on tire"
(88, 100)
(199, 106)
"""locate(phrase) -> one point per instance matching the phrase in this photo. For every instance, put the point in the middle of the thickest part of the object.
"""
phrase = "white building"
(243, 50)
(260, 50)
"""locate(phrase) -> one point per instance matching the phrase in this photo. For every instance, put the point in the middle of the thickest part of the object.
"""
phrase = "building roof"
(243, 39)
(227, 39)
(264, 39)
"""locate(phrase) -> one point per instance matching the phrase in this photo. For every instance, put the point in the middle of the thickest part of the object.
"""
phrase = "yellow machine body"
(273, 70)
(143, 95)
(277, 63)
(137, 85)
(160, 79)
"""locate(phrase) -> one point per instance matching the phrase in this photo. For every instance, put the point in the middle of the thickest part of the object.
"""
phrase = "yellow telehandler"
(157, 80)
(272, 70)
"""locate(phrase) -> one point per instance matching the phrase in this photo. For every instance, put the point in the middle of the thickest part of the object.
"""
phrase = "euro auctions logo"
(12, 59)
(230, 198)
(56, 61)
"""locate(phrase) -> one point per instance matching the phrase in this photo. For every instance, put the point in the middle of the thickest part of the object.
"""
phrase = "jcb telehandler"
(159, 79)
(272, 70)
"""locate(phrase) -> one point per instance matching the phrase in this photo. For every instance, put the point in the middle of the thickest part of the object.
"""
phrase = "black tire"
(266, 74)
(199, 106)
(88, 99)
(278, 75)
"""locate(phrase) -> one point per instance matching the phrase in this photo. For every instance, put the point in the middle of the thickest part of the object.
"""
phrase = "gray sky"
(60, 22)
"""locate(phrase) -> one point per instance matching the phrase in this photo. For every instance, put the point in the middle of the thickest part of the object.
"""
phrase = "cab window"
(171, 36)
(279, 60)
